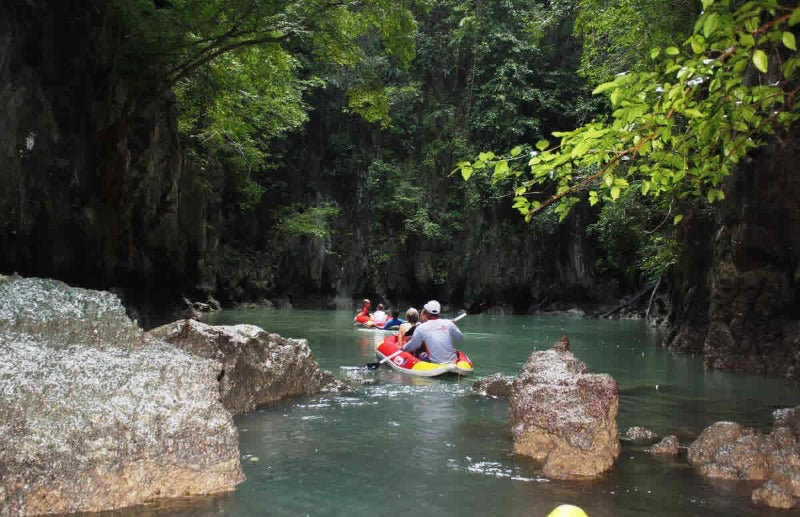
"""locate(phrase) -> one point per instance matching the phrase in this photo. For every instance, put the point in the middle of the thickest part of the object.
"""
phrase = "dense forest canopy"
(439, 81)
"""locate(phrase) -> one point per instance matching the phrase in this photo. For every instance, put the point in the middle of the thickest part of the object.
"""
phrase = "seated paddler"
(436, 334)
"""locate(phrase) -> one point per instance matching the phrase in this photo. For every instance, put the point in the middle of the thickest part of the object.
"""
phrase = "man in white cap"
(436, 334)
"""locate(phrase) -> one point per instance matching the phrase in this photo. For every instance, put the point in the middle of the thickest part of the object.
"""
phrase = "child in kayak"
(395, 321)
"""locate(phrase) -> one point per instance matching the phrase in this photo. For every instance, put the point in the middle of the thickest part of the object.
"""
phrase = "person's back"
(436, 334)
(395, 320)
(379, 316)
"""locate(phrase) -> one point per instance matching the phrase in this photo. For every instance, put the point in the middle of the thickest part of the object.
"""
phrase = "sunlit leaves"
(789, 40)
(681, 128)
(761, 61)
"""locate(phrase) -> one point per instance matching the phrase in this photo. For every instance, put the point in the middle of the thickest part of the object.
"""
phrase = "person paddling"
(395, 321)
(437, 335)
(363, 316)
(407, 328)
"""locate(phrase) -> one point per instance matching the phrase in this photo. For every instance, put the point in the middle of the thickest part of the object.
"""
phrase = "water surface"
(413, 446)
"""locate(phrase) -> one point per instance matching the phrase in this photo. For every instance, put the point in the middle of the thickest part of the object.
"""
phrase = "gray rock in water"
(258, 368)
(641, 435)
(729, 451)
(496, 385)
(726, 450)
(564, 416)
(95, 416)
(669, 445)
(774, 495)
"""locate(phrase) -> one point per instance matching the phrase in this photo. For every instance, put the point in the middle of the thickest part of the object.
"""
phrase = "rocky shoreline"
(96, 415)
(576, 437)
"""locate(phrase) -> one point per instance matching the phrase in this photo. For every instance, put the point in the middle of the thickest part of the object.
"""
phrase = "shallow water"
(413, 446)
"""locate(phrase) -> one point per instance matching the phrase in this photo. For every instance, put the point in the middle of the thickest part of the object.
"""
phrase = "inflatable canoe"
(374, 326)
(406, 363)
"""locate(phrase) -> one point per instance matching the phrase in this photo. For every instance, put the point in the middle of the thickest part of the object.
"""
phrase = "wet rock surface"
(668, 446)
(258, 368)
(495, 385)
(94, 415)
(728, 450)
(641, 435)
(563, 416)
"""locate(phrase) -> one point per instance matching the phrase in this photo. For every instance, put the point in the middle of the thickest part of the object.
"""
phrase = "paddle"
(375, 366)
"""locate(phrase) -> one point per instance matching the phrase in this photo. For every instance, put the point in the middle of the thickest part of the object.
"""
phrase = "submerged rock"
(641, 435)
(774, 495)
(496, 385)
(564, 416)
(94, 415)
(729, 451)
(257, 367)
(669, 445)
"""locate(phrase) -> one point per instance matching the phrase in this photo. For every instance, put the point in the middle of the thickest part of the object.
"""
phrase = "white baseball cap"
(432, 307)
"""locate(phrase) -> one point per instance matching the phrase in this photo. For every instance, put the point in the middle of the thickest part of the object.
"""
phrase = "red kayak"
(405, 362)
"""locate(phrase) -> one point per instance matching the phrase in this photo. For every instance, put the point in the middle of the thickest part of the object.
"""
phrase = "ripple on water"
(493, 469)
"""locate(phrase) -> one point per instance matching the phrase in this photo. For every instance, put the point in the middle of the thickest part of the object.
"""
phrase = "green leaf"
(678, 218)
(794, 19)
(615, 192)
(672, 51)
(789, 40)
(604, 87)
(707, 3)
(761, 61)
(715, 195)
(466, 172)
(542, 145)
(747, 40)
(516, 151)
(501, 168)
(712, 20)
(609, 179)
(698, 46)
(655, 52)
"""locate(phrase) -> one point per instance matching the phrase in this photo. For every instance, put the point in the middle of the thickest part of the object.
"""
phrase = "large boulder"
(258, 367)
(729, 451)
(94, 415)
(563, 416)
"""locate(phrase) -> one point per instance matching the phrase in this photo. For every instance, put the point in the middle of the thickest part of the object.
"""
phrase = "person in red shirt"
(363, 316)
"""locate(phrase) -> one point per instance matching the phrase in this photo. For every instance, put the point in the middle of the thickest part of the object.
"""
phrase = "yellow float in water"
(567, 510)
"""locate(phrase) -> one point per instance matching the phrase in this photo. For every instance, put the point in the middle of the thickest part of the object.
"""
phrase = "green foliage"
(676, 131)
(240, 68)
(614, 32)
(634, 239)
(309, 221)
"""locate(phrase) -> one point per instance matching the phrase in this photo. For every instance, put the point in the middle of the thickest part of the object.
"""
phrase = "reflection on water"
(407, 445)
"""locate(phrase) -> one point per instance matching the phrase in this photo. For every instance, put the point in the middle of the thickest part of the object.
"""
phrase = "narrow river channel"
(411, 446)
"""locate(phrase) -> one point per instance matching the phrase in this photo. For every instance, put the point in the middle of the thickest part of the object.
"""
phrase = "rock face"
(496, 385)
(257, 367)
(735, 300)
(96, 416)
(729, 451)
(564, 416)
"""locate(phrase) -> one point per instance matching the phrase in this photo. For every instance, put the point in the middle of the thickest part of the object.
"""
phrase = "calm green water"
(411, 446)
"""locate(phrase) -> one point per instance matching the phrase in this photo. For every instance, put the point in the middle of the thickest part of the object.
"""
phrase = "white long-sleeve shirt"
(438, 336)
